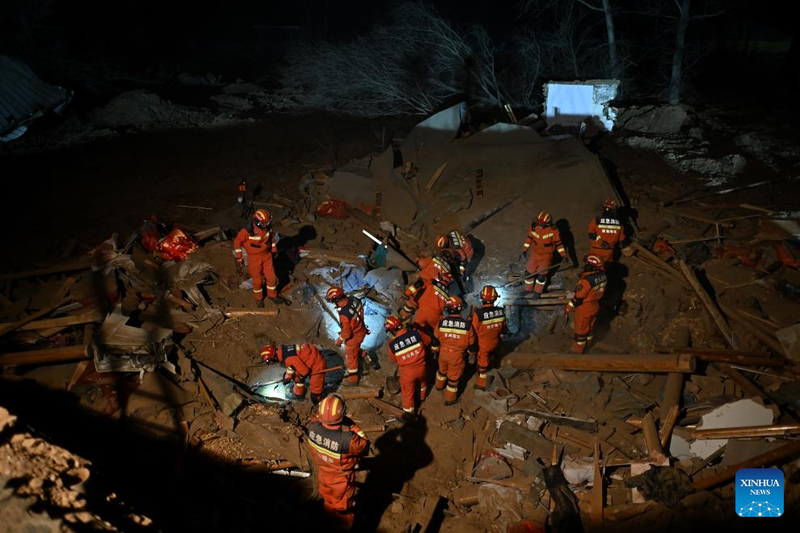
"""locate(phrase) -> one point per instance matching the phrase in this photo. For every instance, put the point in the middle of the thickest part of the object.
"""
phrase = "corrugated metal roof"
(23, 96)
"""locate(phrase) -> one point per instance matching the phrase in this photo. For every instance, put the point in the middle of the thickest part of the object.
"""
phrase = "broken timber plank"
(235, 313)
(83, 264)
(784, 452)
(759, 334)
(64, 354)
(435, 177)
(60, 300)
(656, 363)
(597, 490)
(62, 322)
(386, 406)
(668, 424)
(654, 449)
(778, 430)
(710, 306)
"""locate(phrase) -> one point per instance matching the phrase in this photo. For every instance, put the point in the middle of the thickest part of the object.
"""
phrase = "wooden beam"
(82, 264)
(758, 333)
(786, 451)
(656, 363)
(59, 301)
(544, 302)
(61, 322)
(435, 177)
(654, 448)
(66, 354)
(236, 313)
(710, 306)
(748, 387)
(667, 425)
(597, 490)
(778, 430)
(386, 406)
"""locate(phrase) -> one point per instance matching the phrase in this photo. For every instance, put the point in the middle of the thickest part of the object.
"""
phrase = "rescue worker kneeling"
(336, 443)
(407, 347)
(456, 337)
(426, 300)
(301, 361)
(586, 302)
(489, 323)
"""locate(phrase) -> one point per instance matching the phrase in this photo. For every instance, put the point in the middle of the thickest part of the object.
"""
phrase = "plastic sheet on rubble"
(332, 209)
(176, 245)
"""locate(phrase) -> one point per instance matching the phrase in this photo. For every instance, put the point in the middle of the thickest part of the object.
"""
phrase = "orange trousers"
(352, 353)
(536, 263)
(337, 491)
(261, 268)
(607, 255)
(585, 316)
(451, 368)
(427, 318)
(413, 379)
(484, 351)
(316, 384)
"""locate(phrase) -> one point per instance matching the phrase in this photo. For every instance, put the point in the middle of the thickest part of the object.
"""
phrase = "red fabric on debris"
(332, 209)
(176, 246)
(747, 255)
(786, 257)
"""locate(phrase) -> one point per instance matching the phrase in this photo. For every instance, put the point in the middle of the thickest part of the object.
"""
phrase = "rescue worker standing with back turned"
(586, 302)
(431, 267)
(301, 361)
(606, 233)
(261, 246)
(336, 443)
(455, 336)
(543, 239)
(407, 349)
(460, 248)
(353, 330)
(489, 323)
(426, 300)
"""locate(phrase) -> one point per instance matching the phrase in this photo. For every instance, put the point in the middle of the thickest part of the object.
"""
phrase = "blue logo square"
(759, 492)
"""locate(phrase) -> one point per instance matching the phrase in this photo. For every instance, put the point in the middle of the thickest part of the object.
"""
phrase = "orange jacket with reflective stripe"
(336, 450)
(301, 360)
(408, 347)
(489, 323)
(461, 246)
(351, 319)
(543, 240)
(255, 240)
(431, 267)
(432, 295)
(606, 232)
(590, 289)
(455, 335)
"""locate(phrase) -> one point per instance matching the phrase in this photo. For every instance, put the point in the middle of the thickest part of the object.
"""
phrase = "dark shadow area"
(289, 252)
(612, 299)
(401, 452)
(568, 239)
(626, 214)
(180, 490)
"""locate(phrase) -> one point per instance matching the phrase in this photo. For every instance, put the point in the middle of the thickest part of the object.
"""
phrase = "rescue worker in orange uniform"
(432, 267)
(489, 323)
(425, 299)
(353, 330)
(586, 302)
(606, 233)
(456, 337)
(301, 361)
(407, 348)
(261, 245)
(543, 240)
(336, 444)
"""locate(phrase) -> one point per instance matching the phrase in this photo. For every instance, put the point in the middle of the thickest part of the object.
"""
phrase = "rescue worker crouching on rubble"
(425, 299)
(353, 330)
(432, 267)
(543, 240)
(261, 245)
(456, 337)
(336, 443)
(606, 233)
(407, 348)
(489, 323)
(460, 248)
(301, 361)
(586, 302)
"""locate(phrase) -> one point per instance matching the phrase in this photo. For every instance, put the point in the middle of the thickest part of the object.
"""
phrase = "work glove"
(564, 310)
(239, 264)
(286, 380)
(471, 359)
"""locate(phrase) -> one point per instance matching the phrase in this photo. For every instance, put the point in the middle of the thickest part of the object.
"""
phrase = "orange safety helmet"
(595, 262)
(331, 410)
(445, 277)
(488, 294)
(270, 353)
(454, 304)
(610, 205)
(392, 323)
(334, 294)
(442, 241)
(262, 218)
(543, 218)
